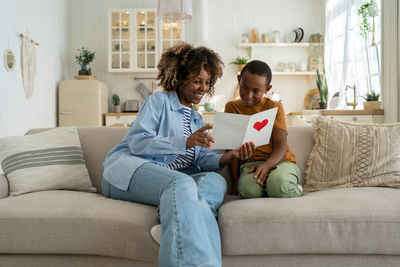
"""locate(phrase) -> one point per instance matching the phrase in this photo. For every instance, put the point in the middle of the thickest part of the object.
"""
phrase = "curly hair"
(182, 63)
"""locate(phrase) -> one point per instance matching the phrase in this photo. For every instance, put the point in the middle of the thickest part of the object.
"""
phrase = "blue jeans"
(189, 202)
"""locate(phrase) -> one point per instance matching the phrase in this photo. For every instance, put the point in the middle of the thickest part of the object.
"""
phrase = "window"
(351, 59)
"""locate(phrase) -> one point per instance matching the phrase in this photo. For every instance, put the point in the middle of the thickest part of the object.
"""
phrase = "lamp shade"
(174, 10)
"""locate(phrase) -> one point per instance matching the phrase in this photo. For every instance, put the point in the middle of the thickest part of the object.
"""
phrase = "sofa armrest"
(3, 186)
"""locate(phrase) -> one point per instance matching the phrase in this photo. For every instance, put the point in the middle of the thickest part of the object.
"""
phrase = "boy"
(271, 171)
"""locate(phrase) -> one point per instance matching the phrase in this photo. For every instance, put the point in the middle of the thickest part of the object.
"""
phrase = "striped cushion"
(48, 160)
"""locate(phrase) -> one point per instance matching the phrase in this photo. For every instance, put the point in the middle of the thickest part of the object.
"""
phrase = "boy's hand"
(261, 172)
(245, 151)
(199, 138)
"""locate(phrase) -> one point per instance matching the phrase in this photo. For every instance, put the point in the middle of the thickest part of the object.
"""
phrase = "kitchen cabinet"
(126, 118)
(135, 42)
(119, 119)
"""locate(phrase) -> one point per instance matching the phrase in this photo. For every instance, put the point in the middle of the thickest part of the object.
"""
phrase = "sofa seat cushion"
(71, 222)
(338, 221)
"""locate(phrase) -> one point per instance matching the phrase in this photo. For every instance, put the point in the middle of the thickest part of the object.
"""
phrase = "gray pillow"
(47, 160)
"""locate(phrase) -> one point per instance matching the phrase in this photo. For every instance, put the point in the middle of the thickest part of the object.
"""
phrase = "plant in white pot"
(372, 101)
(115, 100)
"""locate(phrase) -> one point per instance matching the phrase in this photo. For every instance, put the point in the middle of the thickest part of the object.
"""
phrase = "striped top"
(184, 161)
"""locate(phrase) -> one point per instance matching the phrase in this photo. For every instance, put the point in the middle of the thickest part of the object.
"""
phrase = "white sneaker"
(300, 188)
(156, 233)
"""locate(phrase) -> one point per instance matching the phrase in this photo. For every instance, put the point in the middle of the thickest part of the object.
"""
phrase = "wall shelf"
(252, 46)
(294, 73)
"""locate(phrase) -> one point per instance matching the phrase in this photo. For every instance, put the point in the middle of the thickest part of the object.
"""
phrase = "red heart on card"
(259, 125)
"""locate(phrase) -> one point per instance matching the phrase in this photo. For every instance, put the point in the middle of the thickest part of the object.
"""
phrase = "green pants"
(282, 181)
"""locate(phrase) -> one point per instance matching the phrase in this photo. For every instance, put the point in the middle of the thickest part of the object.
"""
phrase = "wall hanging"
(28, 64)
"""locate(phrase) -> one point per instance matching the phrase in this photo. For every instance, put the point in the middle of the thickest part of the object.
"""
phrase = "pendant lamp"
(174, 10)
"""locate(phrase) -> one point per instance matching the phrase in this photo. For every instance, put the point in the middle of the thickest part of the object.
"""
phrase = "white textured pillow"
(353, 155)
(47, 160)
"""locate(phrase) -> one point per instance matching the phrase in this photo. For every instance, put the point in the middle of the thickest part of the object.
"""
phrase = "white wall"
(46, 21)
(88, 27)
(227, 20)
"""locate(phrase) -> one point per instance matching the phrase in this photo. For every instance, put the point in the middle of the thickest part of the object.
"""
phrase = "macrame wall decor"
(28, 64)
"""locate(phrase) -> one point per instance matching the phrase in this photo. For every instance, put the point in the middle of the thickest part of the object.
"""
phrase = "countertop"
(134, 113)
(338, 112)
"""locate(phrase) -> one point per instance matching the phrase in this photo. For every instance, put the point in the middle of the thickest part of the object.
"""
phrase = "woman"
(165, 157)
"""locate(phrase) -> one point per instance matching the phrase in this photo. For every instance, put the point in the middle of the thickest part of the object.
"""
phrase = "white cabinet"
(119, 119)
(171, 34)
(135, 42)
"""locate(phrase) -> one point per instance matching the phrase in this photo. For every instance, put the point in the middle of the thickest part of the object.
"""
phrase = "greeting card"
(230, 131)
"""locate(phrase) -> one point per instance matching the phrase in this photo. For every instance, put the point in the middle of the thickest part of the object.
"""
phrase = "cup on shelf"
(245, 38)
(265, 38)
(277, 36)
(303, 66)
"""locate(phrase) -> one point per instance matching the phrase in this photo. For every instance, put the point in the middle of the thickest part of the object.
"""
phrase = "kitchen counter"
(358, 115)
(338, 112)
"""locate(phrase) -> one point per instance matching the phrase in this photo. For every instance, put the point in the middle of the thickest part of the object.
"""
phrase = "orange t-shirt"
(263, 152)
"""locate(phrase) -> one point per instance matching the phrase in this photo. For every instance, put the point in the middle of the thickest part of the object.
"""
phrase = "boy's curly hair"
(182, 63)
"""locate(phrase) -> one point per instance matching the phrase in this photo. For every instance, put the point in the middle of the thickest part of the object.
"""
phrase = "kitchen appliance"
(132, 105)
(82, 103)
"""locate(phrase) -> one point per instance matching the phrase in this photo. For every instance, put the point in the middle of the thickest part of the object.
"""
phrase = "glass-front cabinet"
(135, 41)
(171, 34)
(146, 41)
(120, 40)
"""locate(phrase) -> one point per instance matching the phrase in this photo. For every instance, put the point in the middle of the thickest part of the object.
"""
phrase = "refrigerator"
(82, 103)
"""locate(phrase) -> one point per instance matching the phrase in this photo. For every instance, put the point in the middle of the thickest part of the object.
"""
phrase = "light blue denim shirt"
(156, 136)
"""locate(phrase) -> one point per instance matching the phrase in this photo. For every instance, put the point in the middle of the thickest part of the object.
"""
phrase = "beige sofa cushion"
(49, 160)
(353, 155)
(339, 221)
(3, 186)
(96, 142)
(301, 142)
(73, 222)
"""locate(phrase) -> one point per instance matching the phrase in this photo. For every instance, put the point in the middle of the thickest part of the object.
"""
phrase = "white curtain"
(346, 51)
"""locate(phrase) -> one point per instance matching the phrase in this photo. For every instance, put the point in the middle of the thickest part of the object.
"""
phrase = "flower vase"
(83, 70)
(117, 109)
(323, 105)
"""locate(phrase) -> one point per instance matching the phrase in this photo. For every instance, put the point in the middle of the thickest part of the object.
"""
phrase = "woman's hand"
(261, 172)
(199, 138)
(245, 151)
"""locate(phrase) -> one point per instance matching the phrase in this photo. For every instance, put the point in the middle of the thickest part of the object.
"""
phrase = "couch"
(340, 227)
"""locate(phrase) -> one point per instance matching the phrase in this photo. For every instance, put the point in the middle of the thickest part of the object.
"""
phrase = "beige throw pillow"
(47, 160)
(352, 155)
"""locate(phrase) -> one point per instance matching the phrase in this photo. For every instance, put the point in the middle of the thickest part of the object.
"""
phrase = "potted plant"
(366, 10)
(241, 62)
(372, 100)
(322, 89)
(84, 57)
(115, 100)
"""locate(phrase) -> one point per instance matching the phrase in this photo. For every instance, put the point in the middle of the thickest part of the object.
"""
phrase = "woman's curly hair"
(182, 63)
